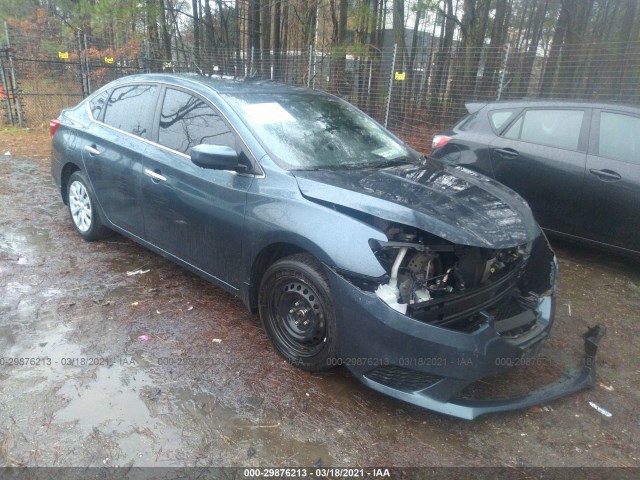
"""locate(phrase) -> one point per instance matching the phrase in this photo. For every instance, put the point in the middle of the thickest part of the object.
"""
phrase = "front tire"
(83, 209)
(297, 312)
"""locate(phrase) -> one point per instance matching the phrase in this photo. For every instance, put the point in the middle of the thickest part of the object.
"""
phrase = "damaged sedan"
(419, 276)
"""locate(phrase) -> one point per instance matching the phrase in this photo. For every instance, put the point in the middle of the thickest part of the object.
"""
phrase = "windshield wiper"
(361, 165)
(333, 168)
(392, 163)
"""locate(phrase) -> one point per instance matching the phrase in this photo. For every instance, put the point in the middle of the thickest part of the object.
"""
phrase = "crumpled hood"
(449, 201)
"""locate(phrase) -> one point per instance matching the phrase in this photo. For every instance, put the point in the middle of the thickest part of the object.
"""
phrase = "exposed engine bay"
(426, 272)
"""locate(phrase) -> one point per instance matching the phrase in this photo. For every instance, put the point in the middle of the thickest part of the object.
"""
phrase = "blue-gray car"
(421, 277)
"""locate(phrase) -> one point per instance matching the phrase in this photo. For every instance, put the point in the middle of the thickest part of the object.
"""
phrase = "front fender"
(276, 212)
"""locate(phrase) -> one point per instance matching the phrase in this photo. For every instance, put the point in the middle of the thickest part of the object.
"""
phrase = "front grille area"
(513, 317)
(510, 308)
(462, 311)
(512, 313)
(401, 378)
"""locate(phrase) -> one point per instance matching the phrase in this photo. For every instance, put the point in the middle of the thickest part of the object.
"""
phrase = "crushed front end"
(447, 315)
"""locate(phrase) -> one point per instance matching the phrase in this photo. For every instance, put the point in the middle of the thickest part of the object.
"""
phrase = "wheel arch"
(342, 251)
(262, 261)
(68, 170)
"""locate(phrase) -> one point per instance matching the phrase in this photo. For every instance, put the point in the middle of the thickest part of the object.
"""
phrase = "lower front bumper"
(431, 397)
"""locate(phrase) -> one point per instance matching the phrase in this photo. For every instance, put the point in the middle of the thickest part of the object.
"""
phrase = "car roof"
(550, 102)
(219, 84)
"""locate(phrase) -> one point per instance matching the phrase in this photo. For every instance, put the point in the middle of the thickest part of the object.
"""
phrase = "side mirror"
(216, 157)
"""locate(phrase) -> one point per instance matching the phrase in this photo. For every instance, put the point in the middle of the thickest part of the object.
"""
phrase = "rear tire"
(297, 312)
(83, 209)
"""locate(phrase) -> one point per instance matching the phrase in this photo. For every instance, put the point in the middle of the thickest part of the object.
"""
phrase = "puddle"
(43, 350)
(8, 337)
(52, 293)
(110, 401)
(14, 291)
(238, 431)
(27, 244)
(111, 406)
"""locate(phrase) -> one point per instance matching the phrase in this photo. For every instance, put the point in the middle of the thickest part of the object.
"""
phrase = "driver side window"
(187, 121)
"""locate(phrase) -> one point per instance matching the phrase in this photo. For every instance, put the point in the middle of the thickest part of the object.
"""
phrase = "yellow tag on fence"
(108, 60)
(63, 54)
(400, 75)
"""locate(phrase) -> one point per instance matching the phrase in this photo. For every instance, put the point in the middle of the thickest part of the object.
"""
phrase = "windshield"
(304, 131)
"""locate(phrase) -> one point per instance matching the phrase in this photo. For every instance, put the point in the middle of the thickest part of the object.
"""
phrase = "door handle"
(507, 152)
(155, 175)
(92, 150)
(606, 175)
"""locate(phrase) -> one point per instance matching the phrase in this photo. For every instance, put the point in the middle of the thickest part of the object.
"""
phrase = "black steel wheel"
(297, 312)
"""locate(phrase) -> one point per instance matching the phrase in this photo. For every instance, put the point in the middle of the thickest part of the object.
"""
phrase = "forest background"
(411, 64)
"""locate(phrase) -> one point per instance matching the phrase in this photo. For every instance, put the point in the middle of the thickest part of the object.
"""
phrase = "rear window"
(467, 122)
(500, 118)
(554, 128)
(97, 104)
(130, 109)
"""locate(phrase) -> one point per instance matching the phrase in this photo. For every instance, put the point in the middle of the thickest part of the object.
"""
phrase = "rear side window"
(187, 121)
(500, 118)
(619, 137)
(97, 104)
(131, 109)
(554, 128)
(467, 123)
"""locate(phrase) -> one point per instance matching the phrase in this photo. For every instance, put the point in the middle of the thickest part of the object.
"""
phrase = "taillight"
(53, 126)
(439, 141)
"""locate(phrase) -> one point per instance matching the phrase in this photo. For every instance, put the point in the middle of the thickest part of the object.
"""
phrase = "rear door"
(542, 156)
(112, 152)
(611, 196)
(194, 213)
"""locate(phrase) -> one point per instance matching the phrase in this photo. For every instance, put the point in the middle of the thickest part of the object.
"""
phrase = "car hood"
(449, 201)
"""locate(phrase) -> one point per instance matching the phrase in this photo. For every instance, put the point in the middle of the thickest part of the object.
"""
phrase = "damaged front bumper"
(429, 366)
(441, 395)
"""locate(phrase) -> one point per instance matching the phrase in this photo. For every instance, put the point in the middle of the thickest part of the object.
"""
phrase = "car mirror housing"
(216, 157)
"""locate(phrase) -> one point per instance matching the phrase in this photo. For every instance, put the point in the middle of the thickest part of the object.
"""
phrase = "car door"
(611, 196)
(112, 152)
(194, 213)
(542, 156)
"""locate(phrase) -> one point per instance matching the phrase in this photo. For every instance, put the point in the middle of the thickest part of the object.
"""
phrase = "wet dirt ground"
(163, 369)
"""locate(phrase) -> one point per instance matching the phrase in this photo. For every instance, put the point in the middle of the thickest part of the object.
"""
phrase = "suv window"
(187, 121)
(619, 137)
(555, 128)
(467, 122)
(130, 107)
(499, 118)
(97, 104)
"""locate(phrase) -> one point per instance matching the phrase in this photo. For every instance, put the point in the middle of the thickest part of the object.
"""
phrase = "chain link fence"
(415, 93)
